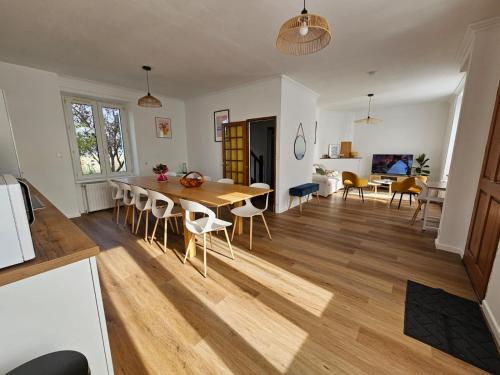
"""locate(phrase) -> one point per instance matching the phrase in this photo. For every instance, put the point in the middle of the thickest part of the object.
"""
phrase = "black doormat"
(450, 323)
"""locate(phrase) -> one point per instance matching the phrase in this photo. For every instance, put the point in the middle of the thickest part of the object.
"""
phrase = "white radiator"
(97, 196)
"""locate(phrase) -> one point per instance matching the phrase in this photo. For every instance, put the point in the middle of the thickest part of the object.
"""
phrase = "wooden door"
(235, 152)
(484, 231)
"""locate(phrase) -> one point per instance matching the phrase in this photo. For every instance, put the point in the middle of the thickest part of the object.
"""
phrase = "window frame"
(100, 132)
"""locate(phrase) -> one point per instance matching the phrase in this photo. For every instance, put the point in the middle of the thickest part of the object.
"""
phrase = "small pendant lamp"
(148, 100)
(369, 120)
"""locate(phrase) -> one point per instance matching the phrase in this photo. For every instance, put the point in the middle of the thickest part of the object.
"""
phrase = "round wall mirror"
(299, 147)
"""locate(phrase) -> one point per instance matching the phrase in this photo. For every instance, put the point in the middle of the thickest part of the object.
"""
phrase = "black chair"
(65, 362)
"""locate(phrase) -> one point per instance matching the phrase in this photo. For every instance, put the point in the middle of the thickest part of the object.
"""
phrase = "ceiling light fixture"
(368, 120)
(304, 34)
(148, 100)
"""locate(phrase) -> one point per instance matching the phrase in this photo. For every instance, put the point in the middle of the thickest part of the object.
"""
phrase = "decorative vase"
(162, 177)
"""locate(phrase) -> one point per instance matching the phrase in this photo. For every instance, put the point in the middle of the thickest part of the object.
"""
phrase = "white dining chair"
(204, 225)
(249, 210)
(128, 200)
(424, 199)
(142, 204)
(162, 208)
(117, 196)
(228, 181)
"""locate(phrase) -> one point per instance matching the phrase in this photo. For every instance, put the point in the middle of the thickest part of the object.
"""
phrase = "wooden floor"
(326, 295)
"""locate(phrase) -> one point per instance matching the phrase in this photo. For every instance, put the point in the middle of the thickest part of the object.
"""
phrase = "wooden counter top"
(57, 242)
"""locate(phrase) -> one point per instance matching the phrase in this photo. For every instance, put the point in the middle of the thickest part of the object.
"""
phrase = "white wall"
(34, 104)
(258, 99)
(298, 105)
(481, 86)
(333, 127)
(407, 129)
(150, 149)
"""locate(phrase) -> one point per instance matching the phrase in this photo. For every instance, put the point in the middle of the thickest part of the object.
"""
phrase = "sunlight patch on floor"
(296, 289)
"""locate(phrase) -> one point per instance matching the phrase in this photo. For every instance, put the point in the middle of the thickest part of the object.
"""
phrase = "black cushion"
(65, 362)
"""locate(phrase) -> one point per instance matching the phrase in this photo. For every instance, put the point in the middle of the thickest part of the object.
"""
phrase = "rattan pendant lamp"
(369, 120)
(304, 34)
(148, 100)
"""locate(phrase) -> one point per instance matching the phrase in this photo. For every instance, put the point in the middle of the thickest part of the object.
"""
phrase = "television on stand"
(392, 164)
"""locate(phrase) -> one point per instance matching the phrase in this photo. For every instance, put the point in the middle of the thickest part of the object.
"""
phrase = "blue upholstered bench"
(303, 190)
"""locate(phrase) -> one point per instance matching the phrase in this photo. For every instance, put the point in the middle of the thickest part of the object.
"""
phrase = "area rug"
(450, 323)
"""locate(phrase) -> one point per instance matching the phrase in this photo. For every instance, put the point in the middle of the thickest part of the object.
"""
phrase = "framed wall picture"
(163, 127)
(220, 118)
(333, 151)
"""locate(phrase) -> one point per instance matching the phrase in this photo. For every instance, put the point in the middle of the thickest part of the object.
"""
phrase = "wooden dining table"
(213, 194)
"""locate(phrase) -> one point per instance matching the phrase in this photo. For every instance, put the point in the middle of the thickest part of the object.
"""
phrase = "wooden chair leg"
(126, 216)
(154, 231)
(362, 194)
(251, 227)
(317, 196)
(290, 200)
(267, 228)
(176, 226)
(234, 226)
(424, 224)
(133, 218)
(171, 225)
(410, 198)
(187, 248)
(117, 212)
(114, 209)
(300, 205)
(417, 210)
(229, 243)
(138, 223)
(205, 254)
(400, 199)
(146, 227)
(165, 234)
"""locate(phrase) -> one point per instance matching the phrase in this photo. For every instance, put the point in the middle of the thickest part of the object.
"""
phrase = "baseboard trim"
(449, 248)
(492, 322)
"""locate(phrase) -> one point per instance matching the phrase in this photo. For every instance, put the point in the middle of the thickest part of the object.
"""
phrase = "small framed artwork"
(163, 127)
(333, 151)
(220, 118)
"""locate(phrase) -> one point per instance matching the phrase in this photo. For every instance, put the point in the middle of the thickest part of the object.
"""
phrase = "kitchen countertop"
(57, 242)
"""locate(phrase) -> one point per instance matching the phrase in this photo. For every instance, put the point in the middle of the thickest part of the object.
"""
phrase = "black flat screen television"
(398, 164)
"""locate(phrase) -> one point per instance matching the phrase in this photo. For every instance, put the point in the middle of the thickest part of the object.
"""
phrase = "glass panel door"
(235, 152)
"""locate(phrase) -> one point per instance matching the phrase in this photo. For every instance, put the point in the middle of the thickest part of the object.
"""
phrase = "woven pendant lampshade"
(304, 34)
(148, 100)
(369, 120)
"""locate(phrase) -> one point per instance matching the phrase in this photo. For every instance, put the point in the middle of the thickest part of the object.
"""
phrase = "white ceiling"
(200, 46)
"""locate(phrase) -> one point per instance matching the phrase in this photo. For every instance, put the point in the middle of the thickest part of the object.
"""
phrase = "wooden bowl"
(191, 182)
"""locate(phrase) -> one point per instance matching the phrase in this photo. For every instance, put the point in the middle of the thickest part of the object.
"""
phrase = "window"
(98, 138)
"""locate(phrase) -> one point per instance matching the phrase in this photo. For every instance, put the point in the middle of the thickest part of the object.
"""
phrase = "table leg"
(188, 243)
(239, 223)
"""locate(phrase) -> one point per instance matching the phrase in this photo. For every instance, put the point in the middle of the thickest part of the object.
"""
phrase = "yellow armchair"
(351, 180)
(407, 186)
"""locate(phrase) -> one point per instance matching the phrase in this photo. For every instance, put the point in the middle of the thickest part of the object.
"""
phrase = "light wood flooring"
(325, 296)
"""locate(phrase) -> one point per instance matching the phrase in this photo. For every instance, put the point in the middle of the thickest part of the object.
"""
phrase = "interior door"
(484, 231)
(235, 152)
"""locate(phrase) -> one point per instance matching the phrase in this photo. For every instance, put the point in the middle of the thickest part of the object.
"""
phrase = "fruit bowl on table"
(191, 182)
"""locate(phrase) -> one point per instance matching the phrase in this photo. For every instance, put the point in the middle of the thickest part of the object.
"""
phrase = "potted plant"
(161, 170)
(422, 168)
